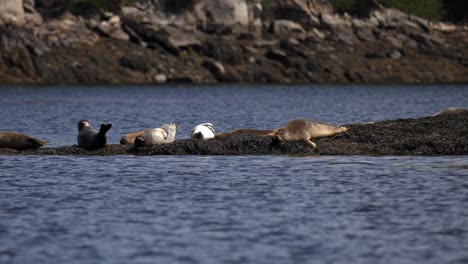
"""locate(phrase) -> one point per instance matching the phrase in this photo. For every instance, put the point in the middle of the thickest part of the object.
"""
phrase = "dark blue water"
(239, 209)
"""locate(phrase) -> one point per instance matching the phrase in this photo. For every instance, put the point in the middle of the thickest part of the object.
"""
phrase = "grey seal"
(306, 130)
(15, 140)
(89, 138)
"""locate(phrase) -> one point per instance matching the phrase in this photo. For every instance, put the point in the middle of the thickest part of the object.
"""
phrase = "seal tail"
(104, 129)
(343, 129)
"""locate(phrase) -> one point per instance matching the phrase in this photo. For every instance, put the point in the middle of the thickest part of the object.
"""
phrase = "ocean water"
(234, 209)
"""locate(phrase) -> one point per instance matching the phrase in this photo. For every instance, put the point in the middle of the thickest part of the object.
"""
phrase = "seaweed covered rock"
(429, 136)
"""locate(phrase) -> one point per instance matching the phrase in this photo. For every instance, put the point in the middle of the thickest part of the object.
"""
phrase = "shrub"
(456, 10)
(429, 9)
(177, 6)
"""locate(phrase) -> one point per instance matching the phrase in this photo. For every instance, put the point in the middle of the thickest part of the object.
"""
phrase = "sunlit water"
(235, 209)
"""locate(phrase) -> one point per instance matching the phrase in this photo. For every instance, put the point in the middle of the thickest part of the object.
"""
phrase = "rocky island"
(224, 41)
(428, 136)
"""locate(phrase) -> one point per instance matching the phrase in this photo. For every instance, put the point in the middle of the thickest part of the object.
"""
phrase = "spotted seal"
(15, 140)
(306, 130)
(89, 138)
(163, 135)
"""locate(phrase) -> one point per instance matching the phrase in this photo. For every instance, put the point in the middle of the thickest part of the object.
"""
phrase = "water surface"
(236, 209)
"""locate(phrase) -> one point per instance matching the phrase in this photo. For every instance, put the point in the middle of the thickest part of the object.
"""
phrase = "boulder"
(284, 28)
(174, 39)
(216, 68)
(278, 55)
(304, 12)
(224, 50)
(160, 78)
(30, 13)
(113, 28)
(11, 12)
(226, 13)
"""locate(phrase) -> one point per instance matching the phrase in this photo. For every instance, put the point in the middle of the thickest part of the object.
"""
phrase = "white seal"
(203, 131)
(163, 135)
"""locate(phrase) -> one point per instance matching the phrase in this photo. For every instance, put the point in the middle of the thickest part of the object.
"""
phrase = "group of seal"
(90, 139)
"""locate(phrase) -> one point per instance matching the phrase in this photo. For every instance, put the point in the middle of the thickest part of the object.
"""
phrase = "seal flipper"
(197, 135)
(104, 129)
(139, 142)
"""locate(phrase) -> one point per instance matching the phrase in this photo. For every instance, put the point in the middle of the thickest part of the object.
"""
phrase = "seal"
(203, 131)
(89, 138)
(459, 111)
(15, 140)
(306, 130)
(161, 135)
(129, 139)
(259, 132)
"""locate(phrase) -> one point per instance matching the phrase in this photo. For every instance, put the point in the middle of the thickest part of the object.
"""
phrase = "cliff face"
(297, 41)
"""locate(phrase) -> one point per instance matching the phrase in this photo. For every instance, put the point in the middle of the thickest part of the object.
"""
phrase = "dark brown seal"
(15, 140)
(244, 131)
(89, 138)
(306, 130)
(459, 111)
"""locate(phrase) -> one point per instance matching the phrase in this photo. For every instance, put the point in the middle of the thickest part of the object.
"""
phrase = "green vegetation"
(177, 6)
(456, 10)
(430, 9)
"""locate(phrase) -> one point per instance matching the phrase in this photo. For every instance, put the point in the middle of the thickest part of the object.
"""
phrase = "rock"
(284, 28)
(225, 13)
(113, 29)
(225, 51)
(396, 55)
(11, 12)
(216, 68)
(31, 15)
(160, 78)
(345, 34)
(175, 39)
(330, 21)
(304, 12)
(135, 63)
(364, 33)
(278, 55)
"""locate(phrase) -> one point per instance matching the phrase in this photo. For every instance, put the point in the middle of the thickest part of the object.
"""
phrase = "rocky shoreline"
(297, 42)
(428, 136)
